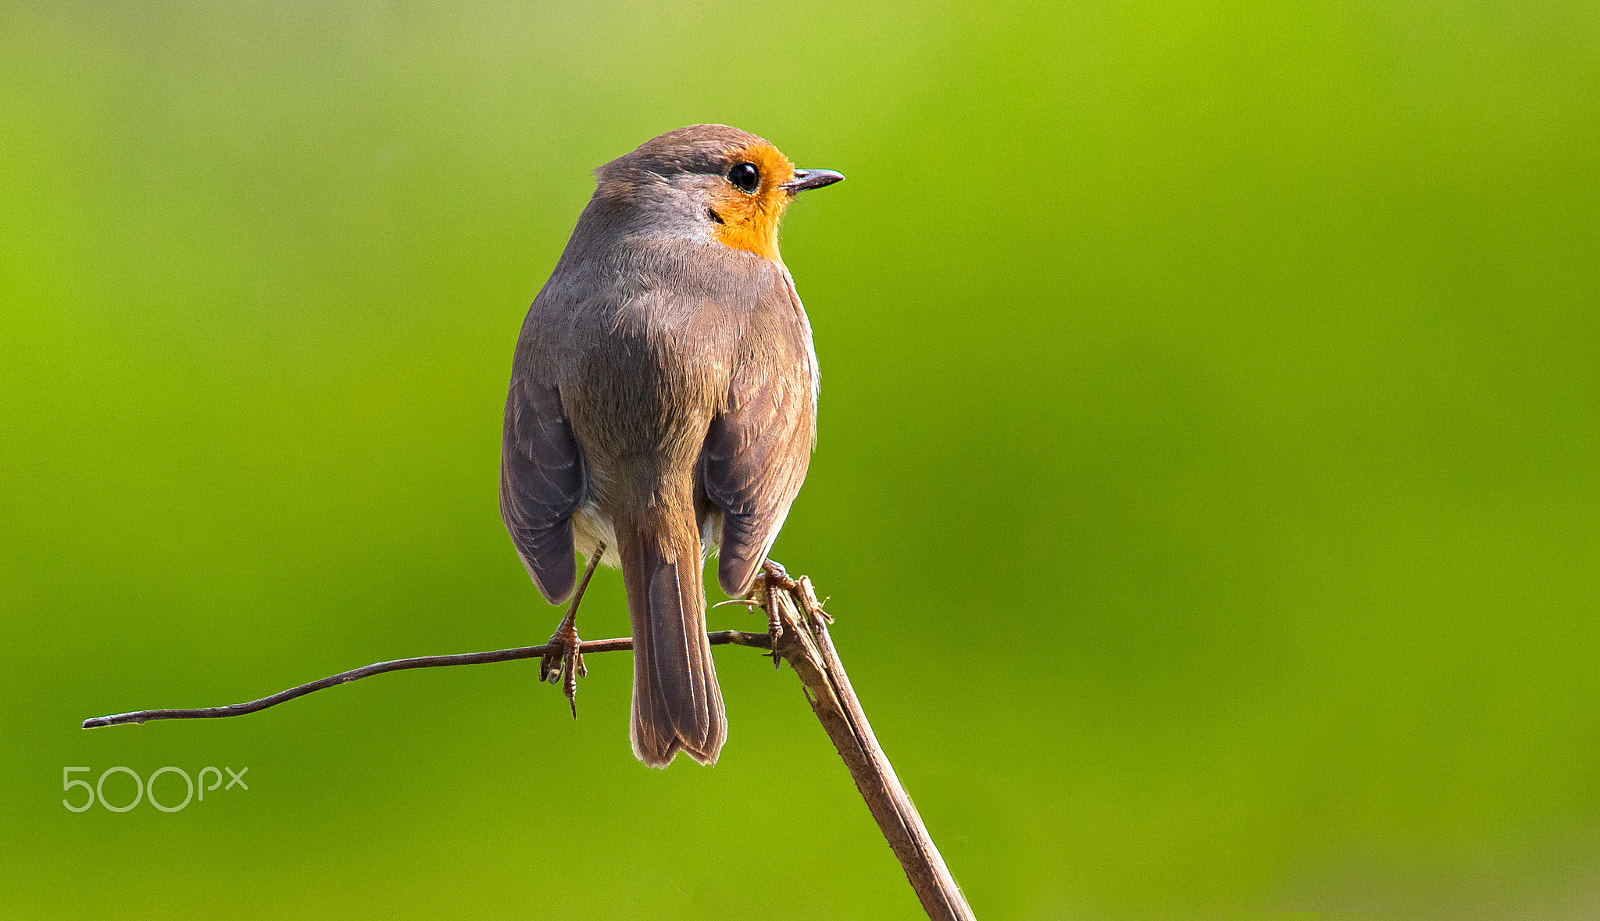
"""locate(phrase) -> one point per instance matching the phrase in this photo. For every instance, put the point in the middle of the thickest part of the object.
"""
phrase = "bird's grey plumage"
(663, 390)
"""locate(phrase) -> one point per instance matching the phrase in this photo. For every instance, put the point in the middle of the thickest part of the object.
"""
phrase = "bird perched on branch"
(663, 400)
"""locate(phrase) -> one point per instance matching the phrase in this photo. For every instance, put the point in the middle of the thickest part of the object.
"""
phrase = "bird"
(662, 406)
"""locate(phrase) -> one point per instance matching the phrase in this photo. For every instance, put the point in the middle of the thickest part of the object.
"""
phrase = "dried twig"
(798, 634)
(801, 638)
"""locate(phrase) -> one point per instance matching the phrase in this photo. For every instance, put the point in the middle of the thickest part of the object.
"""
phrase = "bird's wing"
(757, 451)
(541, 484)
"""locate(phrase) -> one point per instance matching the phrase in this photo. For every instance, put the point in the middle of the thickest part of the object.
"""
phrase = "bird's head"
(707, 182)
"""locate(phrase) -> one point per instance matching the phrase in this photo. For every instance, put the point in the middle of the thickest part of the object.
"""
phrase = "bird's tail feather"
(677, 705)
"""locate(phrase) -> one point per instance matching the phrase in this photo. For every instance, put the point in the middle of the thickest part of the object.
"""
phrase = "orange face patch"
(749, 220)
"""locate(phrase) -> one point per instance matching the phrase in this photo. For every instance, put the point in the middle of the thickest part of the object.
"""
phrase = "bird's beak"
(810, 179)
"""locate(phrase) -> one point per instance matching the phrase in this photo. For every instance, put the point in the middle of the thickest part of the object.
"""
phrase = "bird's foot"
(773, 579)
(767, 583)
(564, 665)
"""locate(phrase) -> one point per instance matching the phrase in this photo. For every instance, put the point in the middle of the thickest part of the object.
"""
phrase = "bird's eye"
(745, 176)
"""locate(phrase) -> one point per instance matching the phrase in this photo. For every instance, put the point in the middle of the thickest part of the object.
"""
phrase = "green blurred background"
(1207, 485)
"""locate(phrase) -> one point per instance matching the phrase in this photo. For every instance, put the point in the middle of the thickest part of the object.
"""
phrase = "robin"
(663, 402)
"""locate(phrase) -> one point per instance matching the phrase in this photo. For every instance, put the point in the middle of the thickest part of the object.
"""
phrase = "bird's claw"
(773, 579)
(564, 665)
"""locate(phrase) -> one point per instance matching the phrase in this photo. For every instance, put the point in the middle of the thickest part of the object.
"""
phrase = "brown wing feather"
(756, 453)
(542, 482)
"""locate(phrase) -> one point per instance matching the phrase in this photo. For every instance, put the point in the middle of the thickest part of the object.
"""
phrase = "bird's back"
(641, 340)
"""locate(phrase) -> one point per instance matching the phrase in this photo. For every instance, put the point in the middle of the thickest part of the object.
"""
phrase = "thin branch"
(726, 637)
